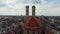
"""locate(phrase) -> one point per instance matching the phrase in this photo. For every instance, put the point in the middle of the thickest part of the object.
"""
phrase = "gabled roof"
(33, 23)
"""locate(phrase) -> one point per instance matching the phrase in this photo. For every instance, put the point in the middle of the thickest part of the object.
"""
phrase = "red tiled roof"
(32, 23)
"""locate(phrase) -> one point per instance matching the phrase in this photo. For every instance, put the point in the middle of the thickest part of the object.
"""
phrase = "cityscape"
(29, 16)
(30, 24)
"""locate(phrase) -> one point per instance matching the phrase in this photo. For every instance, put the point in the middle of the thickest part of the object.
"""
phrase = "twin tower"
(33, 10)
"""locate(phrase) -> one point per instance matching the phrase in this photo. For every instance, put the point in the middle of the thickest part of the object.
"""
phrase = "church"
(32, 25)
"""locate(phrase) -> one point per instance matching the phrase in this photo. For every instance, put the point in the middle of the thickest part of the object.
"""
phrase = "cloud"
(17, 7)
(43, 1)
(2, 5)
(55, 11)
(29, 1)
(47, 9)
(8, 1)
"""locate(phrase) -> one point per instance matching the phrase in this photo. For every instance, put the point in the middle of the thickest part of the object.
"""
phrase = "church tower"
(33, 10)
(27, 10)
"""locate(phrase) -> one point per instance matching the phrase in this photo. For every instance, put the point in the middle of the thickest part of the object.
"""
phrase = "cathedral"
(32, 25)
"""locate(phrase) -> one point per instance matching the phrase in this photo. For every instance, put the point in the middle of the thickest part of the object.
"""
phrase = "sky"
(17, 7)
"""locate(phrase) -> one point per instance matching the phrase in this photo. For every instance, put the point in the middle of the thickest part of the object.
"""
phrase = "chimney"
(33, 11)
(27, 10)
